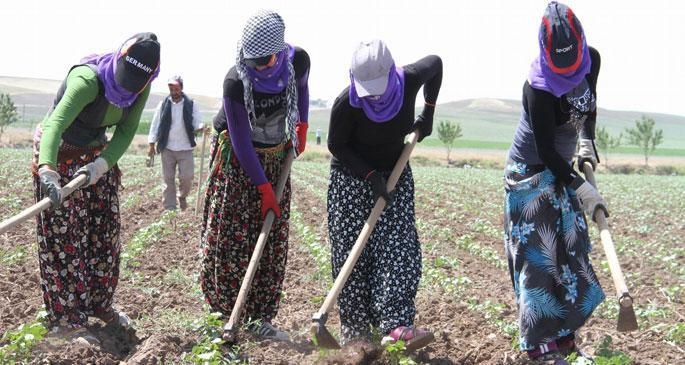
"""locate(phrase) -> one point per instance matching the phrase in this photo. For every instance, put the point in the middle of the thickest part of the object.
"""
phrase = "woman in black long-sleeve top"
(369, 122)
(546, 233)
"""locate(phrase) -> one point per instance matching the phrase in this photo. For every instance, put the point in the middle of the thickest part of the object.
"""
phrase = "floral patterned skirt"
(231, 224)
(380, 291)
(547, 247)
(78, 243)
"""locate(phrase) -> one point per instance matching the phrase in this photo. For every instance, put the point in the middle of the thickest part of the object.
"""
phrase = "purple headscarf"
(387, 105)
(559, 28)
(106, 66)
(542, 77)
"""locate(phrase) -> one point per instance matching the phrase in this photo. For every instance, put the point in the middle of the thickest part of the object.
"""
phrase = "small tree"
(447, 133)
(645, 136)
(606, 143)
(8, 112)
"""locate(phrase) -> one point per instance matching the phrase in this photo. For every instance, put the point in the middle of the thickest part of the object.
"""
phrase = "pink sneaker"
(413, 338)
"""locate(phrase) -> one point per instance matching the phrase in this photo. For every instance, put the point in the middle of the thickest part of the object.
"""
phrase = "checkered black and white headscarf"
(264, 35)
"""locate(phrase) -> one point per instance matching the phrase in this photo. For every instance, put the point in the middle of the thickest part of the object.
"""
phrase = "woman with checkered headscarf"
(264, 114)
(546, 232)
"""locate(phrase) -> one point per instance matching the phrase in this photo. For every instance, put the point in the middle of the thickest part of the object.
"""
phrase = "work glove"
(586, 152)
(269, 201)
(424, 122)
(379, 187)
(93, 171)
(589, 197)
(50, 186)
(301, 131)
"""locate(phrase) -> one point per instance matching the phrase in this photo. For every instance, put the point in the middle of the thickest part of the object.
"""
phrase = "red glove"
(301, 131)
(268, 200)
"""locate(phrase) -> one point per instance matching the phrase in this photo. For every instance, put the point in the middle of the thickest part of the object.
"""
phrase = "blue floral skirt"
(547, 247)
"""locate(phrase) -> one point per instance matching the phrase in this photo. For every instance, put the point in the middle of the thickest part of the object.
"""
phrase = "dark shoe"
(413, 338)
(567, 346)
(552, 358)
(182, 203)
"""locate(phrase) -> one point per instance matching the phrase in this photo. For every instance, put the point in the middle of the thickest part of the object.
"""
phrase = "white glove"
(93, 171)
(50, 186)
(586, 152)
(589, 197)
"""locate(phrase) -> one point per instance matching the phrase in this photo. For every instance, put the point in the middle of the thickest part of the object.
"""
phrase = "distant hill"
(33, 98)
(481, 119)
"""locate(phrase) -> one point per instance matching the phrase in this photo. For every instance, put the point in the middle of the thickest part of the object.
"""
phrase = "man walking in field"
(174, 124)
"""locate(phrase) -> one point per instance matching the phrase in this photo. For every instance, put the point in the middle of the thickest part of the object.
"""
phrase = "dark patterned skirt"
(547, 247)
(381, 289)
(78, 243)
(232, 222)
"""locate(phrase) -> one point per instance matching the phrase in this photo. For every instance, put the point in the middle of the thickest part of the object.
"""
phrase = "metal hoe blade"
(320, 334)
(626, 315)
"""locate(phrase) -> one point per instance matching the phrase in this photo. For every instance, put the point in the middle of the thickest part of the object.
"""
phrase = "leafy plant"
(447, 133)
(208, 350)
(22, 340)
(312, 242)
(396, 353)
(676, 333)
(607, 143)
(645, 136)
(144, 238)
(13, 256)
(8, 112)
(606, 356)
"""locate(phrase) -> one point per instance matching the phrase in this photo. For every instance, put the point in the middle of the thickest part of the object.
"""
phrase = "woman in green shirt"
(78, 238)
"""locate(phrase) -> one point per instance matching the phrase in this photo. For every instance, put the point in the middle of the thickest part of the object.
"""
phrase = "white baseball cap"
(371, 64)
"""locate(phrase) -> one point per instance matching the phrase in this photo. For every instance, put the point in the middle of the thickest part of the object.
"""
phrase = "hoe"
(229, 327)
(41, 205)
(320, 335)
(202, 165)
(626, 315)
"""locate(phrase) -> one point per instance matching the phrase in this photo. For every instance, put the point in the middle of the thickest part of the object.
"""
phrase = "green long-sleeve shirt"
(81, 89)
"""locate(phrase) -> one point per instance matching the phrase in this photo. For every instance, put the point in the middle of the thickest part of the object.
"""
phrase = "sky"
(486, 46)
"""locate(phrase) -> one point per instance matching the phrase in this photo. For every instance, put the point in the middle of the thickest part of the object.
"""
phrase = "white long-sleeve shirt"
(178, 141)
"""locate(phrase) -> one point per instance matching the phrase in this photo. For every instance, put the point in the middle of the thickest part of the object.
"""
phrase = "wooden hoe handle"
(259, 247)
(42, 205)
(607, 241)
(369, 225)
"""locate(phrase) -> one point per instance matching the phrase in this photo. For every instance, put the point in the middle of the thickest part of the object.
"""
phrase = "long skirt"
(232, 222)
(78, 243)
(381, 289)
(547, 247)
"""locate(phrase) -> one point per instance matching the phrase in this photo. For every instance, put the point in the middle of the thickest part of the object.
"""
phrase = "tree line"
(644, 135)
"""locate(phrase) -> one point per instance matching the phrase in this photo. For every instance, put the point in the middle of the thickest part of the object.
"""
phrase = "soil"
(162, 306)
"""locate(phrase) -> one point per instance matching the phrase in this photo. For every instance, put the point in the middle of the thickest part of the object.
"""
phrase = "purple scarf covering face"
(542, 77)
(388, 105)
(272, 80)
(106, 66)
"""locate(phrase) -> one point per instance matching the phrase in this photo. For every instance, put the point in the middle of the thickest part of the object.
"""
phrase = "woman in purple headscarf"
(546, 232)
(78, 238)
(369, 121)
(264, 113)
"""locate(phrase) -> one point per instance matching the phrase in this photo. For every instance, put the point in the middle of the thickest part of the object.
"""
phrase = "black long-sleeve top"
(361, 144)
(544, 134)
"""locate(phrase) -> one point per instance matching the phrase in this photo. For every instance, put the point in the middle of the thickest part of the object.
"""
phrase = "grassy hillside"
(485, 123)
